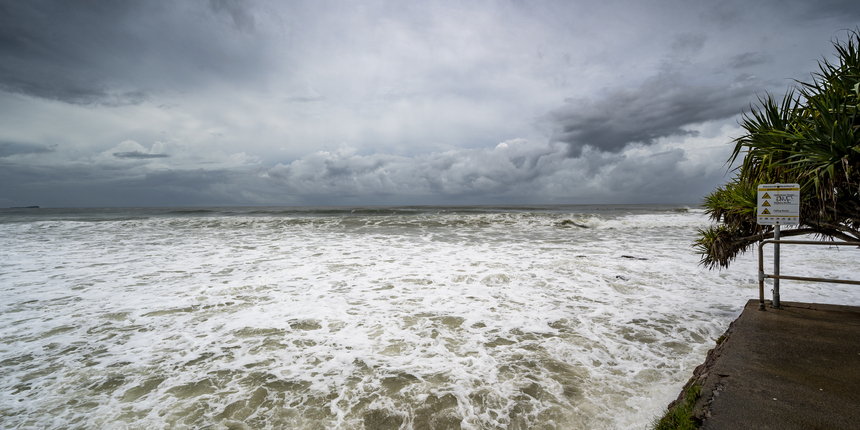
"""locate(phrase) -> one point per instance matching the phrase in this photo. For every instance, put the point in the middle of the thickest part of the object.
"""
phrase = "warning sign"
(778, 204)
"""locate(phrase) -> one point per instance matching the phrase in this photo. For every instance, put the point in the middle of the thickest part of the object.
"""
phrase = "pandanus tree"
(811, 136)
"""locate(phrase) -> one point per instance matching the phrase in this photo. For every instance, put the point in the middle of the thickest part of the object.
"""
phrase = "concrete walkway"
(792, 368)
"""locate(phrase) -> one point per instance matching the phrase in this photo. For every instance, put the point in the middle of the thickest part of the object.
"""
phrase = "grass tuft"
(679, 416)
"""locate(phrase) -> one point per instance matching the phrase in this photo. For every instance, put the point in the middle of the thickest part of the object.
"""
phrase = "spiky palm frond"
(812, 137)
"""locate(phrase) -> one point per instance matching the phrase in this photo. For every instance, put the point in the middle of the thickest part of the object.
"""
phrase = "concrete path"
(792, 368)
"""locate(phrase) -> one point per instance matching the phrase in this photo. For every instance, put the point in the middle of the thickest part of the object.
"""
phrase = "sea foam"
(405, 319)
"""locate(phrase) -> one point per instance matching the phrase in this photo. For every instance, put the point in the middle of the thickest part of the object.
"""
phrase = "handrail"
(762, 276)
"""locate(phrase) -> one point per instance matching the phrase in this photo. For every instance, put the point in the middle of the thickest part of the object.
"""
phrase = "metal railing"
(776, 276)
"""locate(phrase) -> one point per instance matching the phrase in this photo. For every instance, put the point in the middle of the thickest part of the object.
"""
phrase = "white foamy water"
(400, 318)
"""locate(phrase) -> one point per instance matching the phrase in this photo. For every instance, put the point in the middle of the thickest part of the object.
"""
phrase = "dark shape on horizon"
(138, 155)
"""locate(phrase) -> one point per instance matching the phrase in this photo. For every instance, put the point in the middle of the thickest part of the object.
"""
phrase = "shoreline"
(680, 410)
(790, 368)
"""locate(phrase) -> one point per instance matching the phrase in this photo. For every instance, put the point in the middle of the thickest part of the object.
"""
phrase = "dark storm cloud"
(748, 59)
(304, 99)
(189, 181)
(793, 13)
(118, 53)
(138, 155)
(48, 50)
(83, 185)
(8, 149)
(238, 11)
(825, 8)
(516, 171)
(513, 171)
(452, 174)
(689, 43)
(650, 175)
(243, 101)
(660, 177)
(661, 107)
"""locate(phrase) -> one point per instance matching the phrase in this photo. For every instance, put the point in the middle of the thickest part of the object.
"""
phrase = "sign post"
(778, 204)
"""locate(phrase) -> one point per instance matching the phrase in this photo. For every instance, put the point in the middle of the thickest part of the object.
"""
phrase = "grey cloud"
(420, 82)
(55, 85)
(748, 59)
(8, 149)
(238, 11)
(516, 171)
(454, 173)
(337, 168)
(121, 53)
(90, 186)
(796, 13)
(190, 181)
(826, 9)
(659, 176)
(662, 106)
(648, 175)
(304, 99)
(138, 155)
(48, 85)
(689, 43)
(522, 172)
(46, 50)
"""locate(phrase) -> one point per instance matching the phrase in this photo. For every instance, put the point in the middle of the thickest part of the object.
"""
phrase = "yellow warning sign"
(778, 204)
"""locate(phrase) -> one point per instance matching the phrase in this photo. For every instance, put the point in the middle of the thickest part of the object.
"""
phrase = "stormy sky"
(246, 102)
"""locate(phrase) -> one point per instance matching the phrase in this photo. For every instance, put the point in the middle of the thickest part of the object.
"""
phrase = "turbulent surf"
(568, 317)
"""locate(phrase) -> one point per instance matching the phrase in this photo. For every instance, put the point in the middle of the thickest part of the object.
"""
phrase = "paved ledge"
(792, 368)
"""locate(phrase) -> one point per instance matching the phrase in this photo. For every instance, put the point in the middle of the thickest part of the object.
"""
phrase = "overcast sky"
(246, 102)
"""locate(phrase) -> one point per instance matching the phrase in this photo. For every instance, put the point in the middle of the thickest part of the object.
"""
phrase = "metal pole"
(761, 277)
(776, 266)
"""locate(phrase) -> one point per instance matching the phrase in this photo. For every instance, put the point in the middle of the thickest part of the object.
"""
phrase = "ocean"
(520, 317)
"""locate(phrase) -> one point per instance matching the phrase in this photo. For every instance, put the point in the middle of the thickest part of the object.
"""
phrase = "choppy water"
(567, 317)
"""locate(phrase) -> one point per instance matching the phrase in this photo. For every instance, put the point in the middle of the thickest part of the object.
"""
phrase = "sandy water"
(568, 317)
